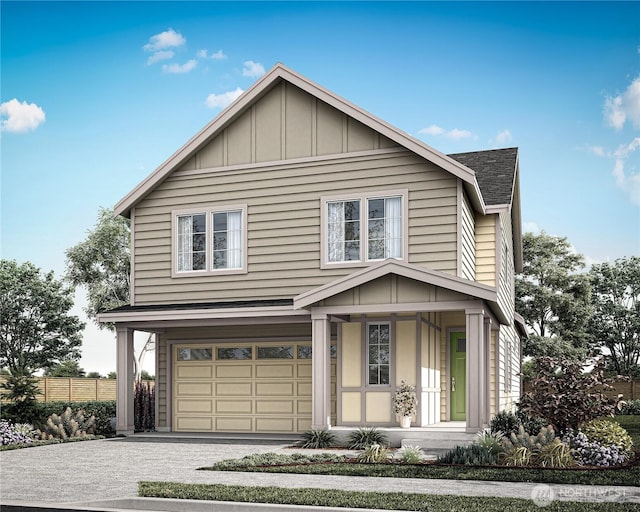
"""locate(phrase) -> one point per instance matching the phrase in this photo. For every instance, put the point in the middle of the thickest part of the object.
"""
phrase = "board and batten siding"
(283, 223)
(485, 233)
(468, 242)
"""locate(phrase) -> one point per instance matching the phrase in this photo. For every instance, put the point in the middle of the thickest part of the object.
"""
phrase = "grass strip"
(357, 499)
(297, 465)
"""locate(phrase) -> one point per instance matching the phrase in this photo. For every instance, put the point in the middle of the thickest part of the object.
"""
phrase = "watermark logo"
(542, 495)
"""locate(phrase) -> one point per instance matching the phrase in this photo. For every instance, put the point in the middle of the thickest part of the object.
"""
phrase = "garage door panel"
(274, 388)
(234, 371)
(195, 424)
(233, 388)
(194, 372)
(274, 406)
(304, 371)
(274, 424)
(234, 406)
(304, 424)
(185, 389)
(304, 406)
(279, 371)
(304, 388)
(201, 406)
(234, 424)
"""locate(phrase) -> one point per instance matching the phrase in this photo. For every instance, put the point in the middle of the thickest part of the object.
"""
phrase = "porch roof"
(429, 277)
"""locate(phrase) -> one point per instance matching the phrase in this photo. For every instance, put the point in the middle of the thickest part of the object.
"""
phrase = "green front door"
(458, 376)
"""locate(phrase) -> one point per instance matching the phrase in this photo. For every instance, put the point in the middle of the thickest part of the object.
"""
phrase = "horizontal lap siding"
(284, 224)
(506, 288)
(485, 228)
(468, 255)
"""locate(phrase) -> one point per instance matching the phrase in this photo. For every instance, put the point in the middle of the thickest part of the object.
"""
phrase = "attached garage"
(243, 387)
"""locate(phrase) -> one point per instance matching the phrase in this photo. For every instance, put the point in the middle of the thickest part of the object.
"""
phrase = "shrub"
(317, 439)
(564, 396)
(505, 422)
(20, 389)
(630, 408)
(103, 411)
(410, 454)
(543, 449)
(532, 424)
(10, 435)
(592, 453)
(555, 455)
(608, 433)
(474, 455)
(492, 441)
(144, 406)
(363, 437)
(67, 426)
(373, 454)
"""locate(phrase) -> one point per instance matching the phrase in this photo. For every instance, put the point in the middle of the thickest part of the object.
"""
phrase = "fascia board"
(280, 71)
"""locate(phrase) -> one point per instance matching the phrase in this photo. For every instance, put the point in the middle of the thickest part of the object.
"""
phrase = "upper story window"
(210, 240)
(364, 228)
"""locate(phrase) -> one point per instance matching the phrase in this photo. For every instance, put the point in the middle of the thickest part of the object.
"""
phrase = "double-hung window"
(210, 241)
(364, 228)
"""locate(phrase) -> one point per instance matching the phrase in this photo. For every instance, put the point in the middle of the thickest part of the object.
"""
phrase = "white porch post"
(476, 370)
(321, 371)
(124, 372)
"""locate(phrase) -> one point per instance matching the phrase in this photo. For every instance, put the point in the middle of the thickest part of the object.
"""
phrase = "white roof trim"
(368, 274)
(272, 77)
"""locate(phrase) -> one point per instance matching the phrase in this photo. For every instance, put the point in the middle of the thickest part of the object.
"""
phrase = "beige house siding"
(286, 123)
(506, 283)
(508, 368)
(485, 235)
(283, 210)
(468, 242)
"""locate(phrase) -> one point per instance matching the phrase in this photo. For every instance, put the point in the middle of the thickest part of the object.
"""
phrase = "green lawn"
(375, 500)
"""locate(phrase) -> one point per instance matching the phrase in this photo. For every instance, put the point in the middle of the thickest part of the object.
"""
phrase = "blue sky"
(96, 95)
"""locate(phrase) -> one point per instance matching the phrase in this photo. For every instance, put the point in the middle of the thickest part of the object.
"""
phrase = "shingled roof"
(495, 171)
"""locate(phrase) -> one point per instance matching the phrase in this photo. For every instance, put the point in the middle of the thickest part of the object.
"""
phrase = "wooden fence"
(629, 390)
(65, 389)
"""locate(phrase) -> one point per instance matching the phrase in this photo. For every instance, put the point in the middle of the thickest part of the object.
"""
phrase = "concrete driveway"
(110, 469)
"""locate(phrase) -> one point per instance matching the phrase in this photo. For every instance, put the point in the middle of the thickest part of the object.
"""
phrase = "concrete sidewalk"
(110, 469)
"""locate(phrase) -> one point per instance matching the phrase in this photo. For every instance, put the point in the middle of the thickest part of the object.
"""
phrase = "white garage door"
(246, 387)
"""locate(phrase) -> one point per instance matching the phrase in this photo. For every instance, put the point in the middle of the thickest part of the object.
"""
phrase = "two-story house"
(298, 258)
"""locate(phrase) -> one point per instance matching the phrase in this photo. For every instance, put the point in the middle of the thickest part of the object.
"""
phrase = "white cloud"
(624, 107)
(503, 137)
(433, 129)
(180, 68)
(167, 39)
(219, 55)
(223, 100)
(596, 150)
(252, 69)
(158, 56)
(627, 180)
(20, 116)
(454, 134)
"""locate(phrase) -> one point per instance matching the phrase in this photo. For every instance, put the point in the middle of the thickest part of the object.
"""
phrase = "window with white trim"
(227, 239)
(192, 245)
(210, 241)
(378, 353)
(364, 229)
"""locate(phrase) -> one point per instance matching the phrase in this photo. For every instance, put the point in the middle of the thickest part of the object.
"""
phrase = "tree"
(36, 328)
(553, 298)
(68, 368)
(20, 390)
(102, 265)
(615, 323)
(94, 375)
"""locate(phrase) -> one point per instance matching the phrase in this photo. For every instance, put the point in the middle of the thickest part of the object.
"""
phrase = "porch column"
(321, 371)
(124, 372)
(476, 369)
(487, 380)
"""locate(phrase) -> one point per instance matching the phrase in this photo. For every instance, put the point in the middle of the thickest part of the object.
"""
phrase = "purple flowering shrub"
(12, 435)
(600, 443)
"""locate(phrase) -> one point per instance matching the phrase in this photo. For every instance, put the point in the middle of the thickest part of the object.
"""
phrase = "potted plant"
(405, 403)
